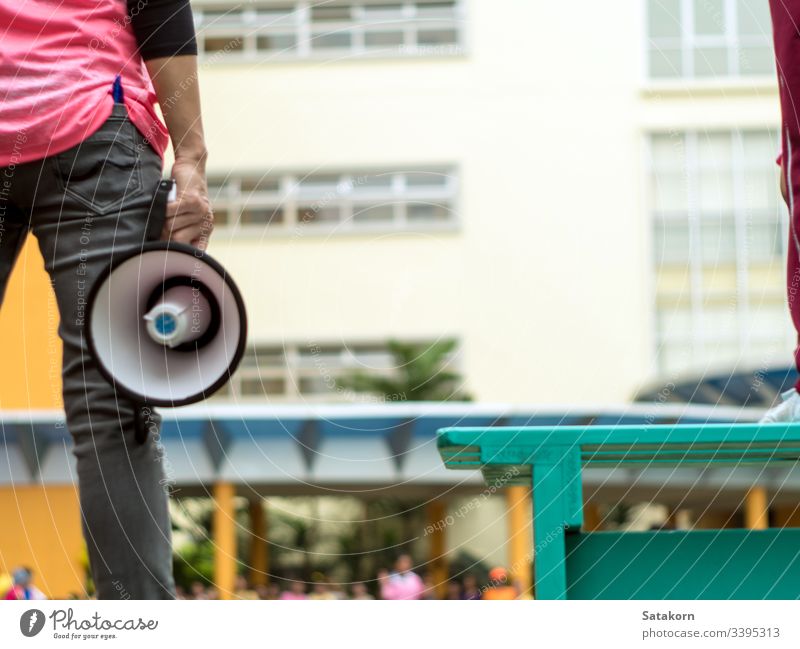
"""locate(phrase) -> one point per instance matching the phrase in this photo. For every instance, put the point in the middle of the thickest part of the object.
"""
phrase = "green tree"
(421, 374)
(194, 561)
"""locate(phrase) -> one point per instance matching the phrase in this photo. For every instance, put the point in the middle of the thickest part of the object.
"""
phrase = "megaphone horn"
(167, 325)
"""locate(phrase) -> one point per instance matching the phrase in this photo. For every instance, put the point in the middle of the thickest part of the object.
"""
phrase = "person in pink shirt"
(403, 582)
(786, 37)
(81, 148)
(296, 591)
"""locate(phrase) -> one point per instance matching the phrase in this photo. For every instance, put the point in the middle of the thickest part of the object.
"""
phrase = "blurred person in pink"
(403, 582)
(296, 590)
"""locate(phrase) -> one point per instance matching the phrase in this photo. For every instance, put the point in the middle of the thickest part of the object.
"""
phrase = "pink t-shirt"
(289, 595)
(58, 62)
(408, 585)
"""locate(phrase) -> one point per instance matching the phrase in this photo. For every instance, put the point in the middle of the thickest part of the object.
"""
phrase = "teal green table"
(694, 564)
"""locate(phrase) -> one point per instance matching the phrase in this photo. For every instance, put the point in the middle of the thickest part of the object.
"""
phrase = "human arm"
(164, 31)
(784, 186)
(189, 217)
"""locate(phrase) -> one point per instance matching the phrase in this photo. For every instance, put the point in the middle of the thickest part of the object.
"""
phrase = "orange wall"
(29, 343)
(40, 528)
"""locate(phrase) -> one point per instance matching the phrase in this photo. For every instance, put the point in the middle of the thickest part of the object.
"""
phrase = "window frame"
(288, 198)
(688, 44)
(302, 27)
(702, 303)
(292, 371)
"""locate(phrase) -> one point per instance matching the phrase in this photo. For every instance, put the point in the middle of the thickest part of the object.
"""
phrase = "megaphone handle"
(158, 209)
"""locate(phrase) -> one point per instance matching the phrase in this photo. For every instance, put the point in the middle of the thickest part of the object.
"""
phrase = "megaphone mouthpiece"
(181, 315)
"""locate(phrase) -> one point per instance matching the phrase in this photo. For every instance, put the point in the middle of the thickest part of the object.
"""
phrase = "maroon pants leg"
(786, 32)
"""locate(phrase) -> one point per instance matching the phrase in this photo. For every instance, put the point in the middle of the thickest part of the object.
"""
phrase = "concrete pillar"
(756, 509)
(520, 537)
(592, 519)
(224, 539)
(259, 549)
(437, 513)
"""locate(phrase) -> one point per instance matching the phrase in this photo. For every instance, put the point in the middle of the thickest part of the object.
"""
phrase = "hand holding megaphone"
(167, 324)
(188, 215)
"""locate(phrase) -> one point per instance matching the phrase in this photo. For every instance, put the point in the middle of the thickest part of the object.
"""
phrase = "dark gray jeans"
(83, 205)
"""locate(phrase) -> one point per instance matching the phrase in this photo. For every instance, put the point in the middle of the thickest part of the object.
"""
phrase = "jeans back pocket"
(103, 170)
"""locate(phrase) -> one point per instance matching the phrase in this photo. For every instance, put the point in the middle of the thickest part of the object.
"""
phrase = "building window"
(336, 202)
(303, 29)
(310, 372)
(719, 239)
(708, 39)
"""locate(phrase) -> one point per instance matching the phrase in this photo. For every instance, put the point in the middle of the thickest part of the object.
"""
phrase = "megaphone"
(166, 324)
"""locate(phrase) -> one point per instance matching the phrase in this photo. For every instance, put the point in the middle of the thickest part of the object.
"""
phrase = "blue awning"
(749, 388)
(313, 447)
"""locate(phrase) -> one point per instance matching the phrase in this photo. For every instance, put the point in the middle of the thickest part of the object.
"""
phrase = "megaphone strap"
(142, 416)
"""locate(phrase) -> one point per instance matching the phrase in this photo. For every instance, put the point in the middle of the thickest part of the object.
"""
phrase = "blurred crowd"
(400, 583)
(19, 585)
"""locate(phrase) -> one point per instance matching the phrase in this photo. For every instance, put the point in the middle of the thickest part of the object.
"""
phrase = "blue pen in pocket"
(116, 90)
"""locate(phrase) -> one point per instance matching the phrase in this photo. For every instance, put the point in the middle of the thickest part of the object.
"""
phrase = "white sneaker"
(786, 411)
